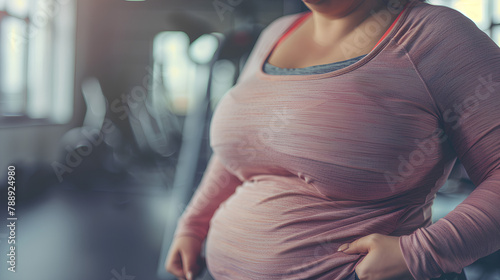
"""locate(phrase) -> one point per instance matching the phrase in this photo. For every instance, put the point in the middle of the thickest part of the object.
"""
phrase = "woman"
(331, 146)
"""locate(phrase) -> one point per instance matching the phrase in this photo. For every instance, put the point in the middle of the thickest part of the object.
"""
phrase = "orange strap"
(293, 27)
(391, 27)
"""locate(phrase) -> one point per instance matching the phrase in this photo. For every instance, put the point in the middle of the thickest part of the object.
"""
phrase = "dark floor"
(74, 233)
(111, 233)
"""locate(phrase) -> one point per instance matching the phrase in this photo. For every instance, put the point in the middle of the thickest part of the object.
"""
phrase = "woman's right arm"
(216, 186)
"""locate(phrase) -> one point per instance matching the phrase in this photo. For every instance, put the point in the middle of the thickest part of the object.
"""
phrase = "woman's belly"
(280, 227)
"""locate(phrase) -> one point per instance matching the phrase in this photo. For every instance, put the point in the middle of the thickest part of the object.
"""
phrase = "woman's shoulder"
(427, 25)
(436, 13)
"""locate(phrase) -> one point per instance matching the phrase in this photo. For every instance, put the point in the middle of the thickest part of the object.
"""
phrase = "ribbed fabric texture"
(305, 163)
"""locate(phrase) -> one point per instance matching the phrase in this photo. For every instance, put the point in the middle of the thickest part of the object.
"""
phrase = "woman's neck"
(330, 24)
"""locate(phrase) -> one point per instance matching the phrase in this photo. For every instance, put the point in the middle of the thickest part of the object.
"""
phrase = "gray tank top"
(311, 70)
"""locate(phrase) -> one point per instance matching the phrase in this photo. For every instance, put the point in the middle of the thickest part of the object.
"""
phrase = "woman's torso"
(325, 159)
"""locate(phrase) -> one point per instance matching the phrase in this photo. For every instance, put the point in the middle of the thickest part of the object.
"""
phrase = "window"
(181, 71)
(173, 71)
(485, 13)
(37, 44)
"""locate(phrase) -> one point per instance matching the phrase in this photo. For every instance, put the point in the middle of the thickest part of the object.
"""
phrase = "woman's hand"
(184, 259)
(383, 261)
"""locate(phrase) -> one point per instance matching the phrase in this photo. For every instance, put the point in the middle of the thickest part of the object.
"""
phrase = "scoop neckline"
(368, 57)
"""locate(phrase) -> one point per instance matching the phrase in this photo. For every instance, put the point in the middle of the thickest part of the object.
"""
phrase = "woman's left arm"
(460, 66)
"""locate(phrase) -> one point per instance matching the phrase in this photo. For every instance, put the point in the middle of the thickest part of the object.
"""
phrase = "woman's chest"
(325, 118)
(338, 130)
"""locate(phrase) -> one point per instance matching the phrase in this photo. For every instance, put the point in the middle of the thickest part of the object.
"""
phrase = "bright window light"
(496, 13)
(17, 8)
(37, 60)
(173, 71)
(13, 57)
(37, 55)
(39, 103)
(64, 62)
(203, 49)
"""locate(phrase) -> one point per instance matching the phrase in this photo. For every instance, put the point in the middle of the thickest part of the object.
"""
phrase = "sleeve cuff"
(419, 260)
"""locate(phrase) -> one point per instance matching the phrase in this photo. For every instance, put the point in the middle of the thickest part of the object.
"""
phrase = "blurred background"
(104, 113)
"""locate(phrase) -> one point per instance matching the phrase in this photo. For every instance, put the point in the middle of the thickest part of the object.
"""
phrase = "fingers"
(174, 265)
(359, 246)
(189, 265)
(343, 247)
(183, 257)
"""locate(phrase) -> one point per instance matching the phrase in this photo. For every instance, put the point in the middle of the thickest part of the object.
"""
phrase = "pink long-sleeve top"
(305, 163)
